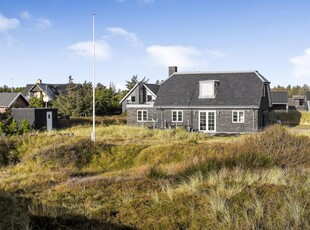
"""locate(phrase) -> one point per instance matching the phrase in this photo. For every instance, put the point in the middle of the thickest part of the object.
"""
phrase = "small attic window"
(208, 89)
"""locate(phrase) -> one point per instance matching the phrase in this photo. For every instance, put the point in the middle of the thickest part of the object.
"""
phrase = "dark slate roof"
(52, 90)
(153, 87)
(234, 89)
(279, 97)
(6, 99)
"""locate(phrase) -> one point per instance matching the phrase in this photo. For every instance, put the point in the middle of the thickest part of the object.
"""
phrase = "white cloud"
(85, 49)
(146, 1)
(8, 23)
(128, 36)
(186, 57)
(301, 64)
(43, 23)
(216, 53)
(141, 1)
(25, 15)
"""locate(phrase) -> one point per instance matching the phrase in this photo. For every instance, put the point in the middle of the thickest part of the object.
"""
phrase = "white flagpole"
(93, 134)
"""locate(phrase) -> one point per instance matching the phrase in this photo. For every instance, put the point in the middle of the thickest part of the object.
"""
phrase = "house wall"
(224, 124)
(21, 103)
(153, 114)
(135, 93)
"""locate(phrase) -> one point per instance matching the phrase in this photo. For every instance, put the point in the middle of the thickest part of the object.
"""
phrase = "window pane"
(174, 115)
(235, 116)
(211, 121)
(241, 116)
(180, 116)
(139, 115)
(202, 121)
(145, 115)
(206, 89)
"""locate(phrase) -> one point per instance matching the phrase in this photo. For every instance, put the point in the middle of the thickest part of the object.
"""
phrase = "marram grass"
(143, 179)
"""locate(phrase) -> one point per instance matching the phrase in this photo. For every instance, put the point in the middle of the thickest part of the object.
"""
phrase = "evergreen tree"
(36, 102)
(25, 127)
(133, 81)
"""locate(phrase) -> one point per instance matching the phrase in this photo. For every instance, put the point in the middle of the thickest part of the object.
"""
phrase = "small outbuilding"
(279, 101)
(39, 118)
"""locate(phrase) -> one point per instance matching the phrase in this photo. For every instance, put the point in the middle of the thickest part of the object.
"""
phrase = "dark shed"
(39, 118)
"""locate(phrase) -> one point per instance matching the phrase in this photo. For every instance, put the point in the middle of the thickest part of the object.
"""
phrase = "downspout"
(253, 119)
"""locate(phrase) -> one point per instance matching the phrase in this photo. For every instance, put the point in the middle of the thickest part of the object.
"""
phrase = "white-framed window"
(142, 115)
(238, 116)
(177, 115)
(208, 88)
(149, 98)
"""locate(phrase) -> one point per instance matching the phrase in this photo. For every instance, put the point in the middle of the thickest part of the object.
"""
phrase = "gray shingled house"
(48, 91)
(214, 102)
(307, 101)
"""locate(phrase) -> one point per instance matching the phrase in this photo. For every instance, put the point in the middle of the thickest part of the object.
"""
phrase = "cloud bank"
(128, 36)
(301, 64)
(7, 24)
(186, 57)
(85, 49)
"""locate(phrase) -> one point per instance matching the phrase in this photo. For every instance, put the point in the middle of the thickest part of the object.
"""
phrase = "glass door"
(207, 121)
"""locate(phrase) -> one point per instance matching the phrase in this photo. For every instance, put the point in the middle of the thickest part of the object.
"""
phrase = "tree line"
(78, 99)
(292, 90)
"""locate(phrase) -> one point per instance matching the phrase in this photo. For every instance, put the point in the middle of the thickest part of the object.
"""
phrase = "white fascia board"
(150, 91)
(140, 105)
(208, 107)
(130, 91)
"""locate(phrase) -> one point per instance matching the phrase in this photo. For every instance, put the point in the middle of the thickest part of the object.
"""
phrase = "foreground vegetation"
(136, 178)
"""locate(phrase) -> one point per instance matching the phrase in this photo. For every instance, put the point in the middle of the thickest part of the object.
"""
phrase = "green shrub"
(77, 153)
(8, 152)
(25, 127)
(289, 118)
(284, 148)
(13, 128)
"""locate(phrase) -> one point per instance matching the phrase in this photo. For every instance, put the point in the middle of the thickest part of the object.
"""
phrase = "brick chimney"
(172, 70)
(39, 81)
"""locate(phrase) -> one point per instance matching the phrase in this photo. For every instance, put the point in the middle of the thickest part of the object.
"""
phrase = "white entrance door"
(207, 121)
(49, 121)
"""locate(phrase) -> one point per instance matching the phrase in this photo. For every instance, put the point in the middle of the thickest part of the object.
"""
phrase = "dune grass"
(136, 178)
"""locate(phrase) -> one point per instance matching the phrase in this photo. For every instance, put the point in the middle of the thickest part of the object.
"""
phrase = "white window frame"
(177, 115)
(207, 121)
(239, 112)
(205, 84)
(142, 115)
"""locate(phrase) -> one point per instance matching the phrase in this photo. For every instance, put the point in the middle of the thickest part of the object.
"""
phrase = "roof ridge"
(215, 72)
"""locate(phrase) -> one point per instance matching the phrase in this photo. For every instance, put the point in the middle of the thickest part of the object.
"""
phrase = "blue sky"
(52, 39)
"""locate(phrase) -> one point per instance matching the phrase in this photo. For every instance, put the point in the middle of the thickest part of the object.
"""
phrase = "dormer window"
(149, 98)
(208, 88)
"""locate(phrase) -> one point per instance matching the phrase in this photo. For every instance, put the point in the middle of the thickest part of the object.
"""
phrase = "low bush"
(289, 118)
(71, 153)
(8, 151)
(284, 148)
